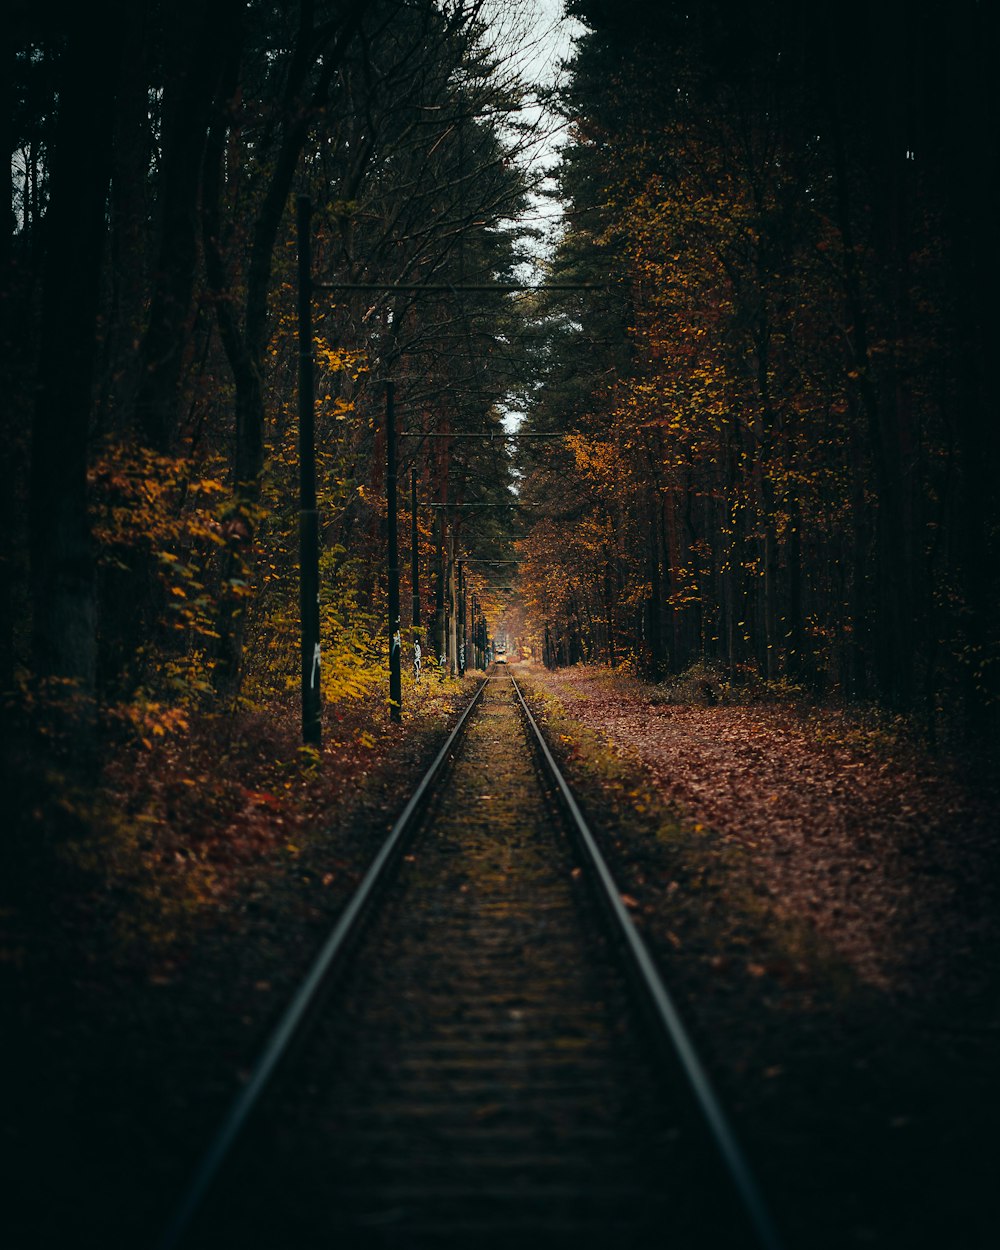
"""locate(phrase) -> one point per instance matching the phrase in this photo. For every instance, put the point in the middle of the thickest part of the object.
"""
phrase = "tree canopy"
(150, 301)
(778, 413)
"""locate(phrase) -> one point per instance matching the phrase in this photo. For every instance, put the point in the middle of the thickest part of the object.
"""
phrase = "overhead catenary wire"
(448, 288)
(487, 434)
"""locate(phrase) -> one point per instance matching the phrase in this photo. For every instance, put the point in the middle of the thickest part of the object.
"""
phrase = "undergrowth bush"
(706, 683)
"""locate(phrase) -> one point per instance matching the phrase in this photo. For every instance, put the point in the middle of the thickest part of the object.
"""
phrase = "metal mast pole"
(461, 618)
(395, 641)
(414, 551)
(312, 730)
(452, 606)
(439, 619)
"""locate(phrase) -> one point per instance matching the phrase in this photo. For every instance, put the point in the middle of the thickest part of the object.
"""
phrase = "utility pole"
(395, 641)
(452, 607)
(414, 553)
(308, 516)
(439, 592)
(461, 618)
(312, 727)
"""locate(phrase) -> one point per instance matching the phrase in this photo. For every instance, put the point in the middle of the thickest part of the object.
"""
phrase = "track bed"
(477, 1074)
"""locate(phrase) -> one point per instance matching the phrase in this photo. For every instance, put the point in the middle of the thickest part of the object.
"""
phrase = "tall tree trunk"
(245, 344)
(862, 597)
(439, 593)
(970, 152)
(130, 261)
(793, 621)
(9, 555)
(654, 603)
(895, 637)
(200, 33)
(609, 609)
(62, 566)
(131, 596)
(772, 643)
(694, 609)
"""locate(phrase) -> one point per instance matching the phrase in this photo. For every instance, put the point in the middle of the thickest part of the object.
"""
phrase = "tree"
(159, 516)
(778, 450)
(88, 51)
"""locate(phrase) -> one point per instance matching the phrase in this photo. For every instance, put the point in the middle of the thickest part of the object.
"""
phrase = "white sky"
(540, 38)
(544, 38)
(555, 33)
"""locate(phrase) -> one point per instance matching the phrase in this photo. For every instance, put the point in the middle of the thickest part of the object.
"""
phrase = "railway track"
(483, 1053)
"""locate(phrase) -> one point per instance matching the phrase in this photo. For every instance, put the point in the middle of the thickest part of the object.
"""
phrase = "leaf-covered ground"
(883, 853)
(822, 895)
(150, 931)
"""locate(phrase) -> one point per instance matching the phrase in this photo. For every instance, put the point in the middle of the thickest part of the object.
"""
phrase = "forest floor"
(151, 931)
(821, 893)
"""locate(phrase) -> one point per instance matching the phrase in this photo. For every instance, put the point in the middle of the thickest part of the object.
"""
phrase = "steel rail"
(295, 1014)
(662, 1005)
